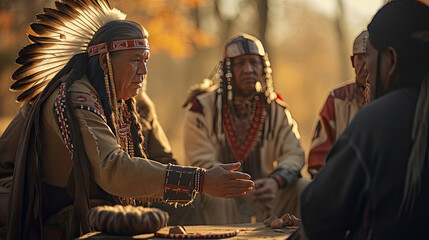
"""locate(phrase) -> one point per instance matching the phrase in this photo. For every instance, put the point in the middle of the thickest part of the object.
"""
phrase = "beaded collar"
(241, 149)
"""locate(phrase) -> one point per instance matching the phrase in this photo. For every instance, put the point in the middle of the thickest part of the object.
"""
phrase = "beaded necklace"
(123, 122)
(240, 145)
(124, 129)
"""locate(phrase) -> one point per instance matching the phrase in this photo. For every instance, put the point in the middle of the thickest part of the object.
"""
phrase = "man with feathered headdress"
(81, 144)
(375, 184)
(243, 120)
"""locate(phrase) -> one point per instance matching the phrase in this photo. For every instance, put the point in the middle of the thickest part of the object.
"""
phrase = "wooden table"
(248, 231)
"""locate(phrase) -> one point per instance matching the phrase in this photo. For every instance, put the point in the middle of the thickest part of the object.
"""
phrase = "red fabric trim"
(281, 102)
(327, 115)
(197, 235)
(60, 111)
(196, 106)
(345, 92)
(317, 155)
(97, 49)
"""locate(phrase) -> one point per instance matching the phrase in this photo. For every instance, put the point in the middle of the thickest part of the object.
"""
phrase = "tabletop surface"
(247, 231)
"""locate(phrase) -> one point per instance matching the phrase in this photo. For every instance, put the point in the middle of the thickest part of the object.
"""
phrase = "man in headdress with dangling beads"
(375, 184)
(340, 107)
(81, 144)
(244, 120)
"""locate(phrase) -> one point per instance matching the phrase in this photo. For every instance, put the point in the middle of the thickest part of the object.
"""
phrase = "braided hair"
(136, 129)
(112, 31)
(78, 66)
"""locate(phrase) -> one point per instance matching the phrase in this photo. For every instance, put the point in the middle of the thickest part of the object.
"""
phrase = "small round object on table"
(126, 220)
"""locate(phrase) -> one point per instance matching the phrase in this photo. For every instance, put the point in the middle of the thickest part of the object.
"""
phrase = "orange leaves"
(172, 25)
(6, 19)
(193, 3)
(204, 39)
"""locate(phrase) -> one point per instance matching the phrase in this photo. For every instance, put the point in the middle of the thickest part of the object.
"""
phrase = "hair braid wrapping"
(136, 129)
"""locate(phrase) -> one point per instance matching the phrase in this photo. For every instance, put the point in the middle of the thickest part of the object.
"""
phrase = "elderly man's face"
(359, 62)
(129, 68)
(247, 70)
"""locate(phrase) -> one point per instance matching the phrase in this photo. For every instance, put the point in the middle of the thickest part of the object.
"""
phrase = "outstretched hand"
(224, 181)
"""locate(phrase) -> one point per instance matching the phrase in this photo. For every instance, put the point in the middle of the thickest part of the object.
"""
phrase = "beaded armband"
(87, 101)
(182, 184)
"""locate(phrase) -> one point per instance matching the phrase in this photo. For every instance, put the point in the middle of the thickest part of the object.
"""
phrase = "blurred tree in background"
(308, 49)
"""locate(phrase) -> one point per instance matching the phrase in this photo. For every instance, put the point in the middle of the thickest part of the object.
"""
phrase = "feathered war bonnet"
(245, 44)
(61, 33)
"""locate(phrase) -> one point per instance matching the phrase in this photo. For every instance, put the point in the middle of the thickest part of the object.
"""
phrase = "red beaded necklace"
(242, 150)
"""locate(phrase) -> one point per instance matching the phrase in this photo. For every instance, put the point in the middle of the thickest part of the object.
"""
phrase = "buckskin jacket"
(202, 148)
(279, 149)
(337, 113)
(47, 178)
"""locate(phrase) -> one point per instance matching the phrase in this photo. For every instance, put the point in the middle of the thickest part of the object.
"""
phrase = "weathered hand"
(223, 181)
(265, 189)
(263, 194)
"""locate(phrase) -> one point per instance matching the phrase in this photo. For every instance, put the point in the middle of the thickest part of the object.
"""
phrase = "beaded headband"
(118, 46)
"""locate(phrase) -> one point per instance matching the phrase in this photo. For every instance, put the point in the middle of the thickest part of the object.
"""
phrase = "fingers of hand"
(231, 166)
(239, 183)
(259, 183)
(236, 189)
(262, 190)
(238, 175)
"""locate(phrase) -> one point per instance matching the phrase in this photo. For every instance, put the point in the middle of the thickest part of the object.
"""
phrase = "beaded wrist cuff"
(199, 179)
(203, 173)
(180, 185)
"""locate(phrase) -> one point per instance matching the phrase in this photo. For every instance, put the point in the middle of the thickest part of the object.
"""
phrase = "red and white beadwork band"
(118, 46)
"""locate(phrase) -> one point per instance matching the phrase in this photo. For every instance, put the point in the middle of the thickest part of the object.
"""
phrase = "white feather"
(74, 36)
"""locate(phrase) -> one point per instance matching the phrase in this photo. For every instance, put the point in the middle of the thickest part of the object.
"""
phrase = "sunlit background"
(309, 43)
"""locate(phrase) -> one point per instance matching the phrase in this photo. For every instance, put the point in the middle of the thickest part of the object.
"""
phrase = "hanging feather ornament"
(57, 36)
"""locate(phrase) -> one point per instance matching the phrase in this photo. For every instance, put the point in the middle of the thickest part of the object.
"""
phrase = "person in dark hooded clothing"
(375, 184)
